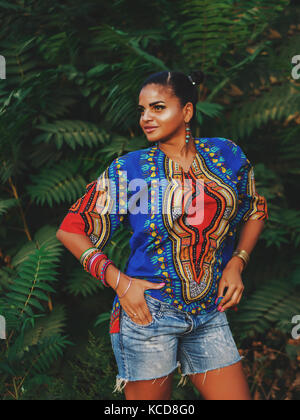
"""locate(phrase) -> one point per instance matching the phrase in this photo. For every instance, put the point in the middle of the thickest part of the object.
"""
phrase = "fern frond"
(20, 58)
(44, 237)
(273, 305)
(279, 103)
(46, 327)
(104, 317)
(71, 132)
(6, 205)
(82, 283)
(62, 183)
(43, 355)
(30, 288)
(121, 145)
(209, 29)
(27, 294)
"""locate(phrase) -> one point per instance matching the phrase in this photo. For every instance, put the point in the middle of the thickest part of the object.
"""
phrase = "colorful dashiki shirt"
(166, 246)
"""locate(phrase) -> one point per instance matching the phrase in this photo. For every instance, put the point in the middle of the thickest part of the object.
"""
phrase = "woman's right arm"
(77, 244)
(134, 300)
(91, 222)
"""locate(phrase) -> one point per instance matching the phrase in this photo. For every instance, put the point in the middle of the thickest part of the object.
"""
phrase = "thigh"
(227, 384)
(209, 346)
(157, 389)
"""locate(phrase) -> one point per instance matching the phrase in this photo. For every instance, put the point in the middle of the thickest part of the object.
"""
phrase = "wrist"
(236, 263)
(111, 278)
(123, 284)
(111, 275)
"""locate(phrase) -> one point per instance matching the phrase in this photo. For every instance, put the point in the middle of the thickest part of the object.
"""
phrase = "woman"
(182, 273)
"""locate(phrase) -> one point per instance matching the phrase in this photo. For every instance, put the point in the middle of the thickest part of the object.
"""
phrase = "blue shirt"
(167, 244)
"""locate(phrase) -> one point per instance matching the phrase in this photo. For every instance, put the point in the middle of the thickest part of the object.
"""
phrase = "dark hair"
(183, 86)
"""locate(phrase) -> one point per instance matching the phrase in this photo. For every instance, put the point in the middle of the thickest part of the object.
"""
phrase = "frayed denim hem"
(184, 377)
(121, 382)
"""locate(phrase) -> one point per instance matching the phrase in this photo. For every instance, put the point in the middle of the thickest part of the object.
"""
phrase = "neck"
(178, 148)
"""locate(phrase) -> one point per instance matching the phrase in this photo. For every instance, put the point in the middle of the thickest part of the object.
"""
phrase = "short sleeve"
(97, 214)
(252, 206)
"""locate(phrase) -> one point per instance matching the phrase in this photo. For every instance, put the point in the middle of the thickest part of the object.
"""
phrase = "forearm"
(249, 235)
(77, 244)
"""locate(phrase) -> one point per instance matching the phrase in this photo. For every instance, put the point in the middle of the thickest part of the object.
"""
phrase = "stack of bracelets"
(91, 260)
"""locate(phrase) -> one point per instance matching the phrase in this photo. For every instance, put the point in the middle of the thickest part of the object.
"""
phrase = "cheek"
(170, 119)
(168, 116)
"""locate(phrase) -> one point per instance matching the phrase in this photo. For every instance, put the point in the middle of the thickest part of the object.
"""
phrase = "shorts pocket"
(129, 321)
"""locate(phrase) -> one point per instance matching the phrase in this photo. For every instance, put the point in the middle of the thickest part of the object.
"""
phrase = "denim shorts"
(173, 339)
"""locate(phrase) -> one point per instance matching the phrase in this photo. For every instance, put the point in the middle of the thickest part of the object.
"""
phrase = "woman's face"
(161, 114)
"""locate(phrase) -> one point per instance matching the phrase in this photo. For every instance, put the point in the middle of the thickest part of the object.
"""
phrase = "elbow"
(59, 234)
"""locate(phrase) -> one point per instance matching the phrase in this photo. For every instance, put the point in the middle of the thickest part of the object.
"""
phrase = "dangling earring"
(188, 133)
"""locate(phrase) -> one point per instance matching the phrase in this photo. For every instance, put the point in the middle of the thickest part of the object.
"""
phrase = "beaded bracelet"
(85, 253)
(94, 265)
(90, 258)
(103, 271)
(94, 258)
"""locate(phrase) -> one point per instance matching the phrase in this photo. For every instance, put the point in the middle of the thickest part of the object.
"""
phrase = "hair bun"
(196, 77)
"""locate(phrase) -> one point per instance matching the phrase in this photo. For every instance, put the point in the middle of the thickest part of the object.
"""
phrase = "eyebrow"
(153, 103)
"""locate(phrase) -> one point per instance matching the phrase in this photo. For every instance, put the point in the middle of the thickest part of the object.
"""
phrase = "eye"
(159, 107)
(156, 108)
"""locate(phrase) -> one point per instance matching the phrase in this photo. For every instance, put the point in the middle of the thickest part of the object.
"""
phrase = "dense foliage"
(68, 107)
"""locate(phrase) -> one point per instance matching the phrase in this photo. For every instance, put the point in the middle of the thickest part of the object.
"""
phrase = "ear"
(188, 111)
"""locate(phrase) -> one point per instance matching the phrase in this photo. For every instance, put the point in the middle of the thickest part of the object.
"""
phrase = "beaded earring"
(188, 133)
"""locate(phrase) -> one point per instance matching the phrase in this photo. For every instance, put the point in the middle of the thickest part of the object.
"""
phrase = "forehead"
(153, 93)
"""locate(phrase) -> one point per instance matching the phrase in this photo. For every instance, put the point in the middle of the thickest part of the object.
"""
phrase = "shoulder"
(220, 142)
(128, 162)
(230, 150)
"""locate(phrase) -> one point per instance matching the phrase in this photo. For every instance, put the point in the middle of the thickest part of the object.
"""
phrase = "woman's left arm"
(231, 277)
(252, 212)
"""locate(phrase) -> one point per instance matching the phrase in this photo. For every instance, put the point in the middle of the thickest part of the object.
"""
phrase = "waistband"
(165, 306)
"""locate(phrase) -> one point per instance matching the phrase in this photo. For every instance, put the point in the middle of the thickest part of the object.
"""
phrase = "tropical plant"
(68, 108)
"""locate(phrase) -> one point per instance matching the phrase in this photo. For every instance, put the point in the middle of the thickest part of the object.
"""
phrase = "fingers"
(147, 317)
(222, 287)
(150, 285)
(231, 298)
(139, 314)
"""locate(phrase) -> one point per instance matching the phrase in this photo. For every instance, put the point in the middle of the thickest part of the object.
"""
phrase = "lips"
(149, 129)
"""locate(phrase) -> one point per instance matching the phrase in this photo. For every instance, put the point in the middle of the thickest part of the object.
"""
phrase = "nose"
(146, 115)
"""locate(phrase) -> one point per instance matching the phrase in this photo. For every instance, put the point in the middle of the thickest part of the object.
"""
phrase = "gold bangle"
(243, 254)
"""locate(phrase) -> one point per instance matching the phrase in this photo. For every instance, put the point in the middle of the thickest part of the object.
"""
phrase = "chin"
(153, 140)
